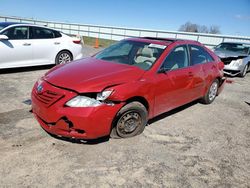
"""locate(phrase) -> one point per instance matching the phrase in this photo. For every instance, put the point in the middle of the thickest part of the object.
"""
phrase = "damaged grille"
(47, 97)
(226, 61)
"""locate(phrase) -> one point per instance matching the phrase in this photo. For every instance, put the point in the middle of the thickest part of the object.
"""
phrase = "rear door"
(202, 64)
(174, 87)
(17, 51)
(46, 45)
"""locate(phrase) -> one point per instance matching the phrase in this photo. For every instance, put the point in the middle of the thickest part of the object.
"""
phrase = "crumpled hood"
(92, 75)
(226, 53)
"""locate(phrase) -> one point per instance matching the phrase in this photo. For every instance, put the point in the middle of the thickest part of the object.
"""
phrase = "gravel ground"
(193, 146)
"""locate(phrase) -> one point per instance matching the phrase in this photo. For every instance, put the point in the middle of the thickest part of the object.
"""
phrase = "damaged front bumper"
(231, 72)
(74, 122)
(231, 68)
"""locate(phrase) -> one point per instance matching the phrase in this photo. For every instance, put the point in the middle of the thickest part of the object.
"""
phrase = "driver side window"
(17, 33)
(177, 59)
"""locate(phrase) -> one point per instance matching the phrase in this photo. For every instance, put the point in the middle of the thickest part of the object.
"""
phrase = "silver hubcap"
(64, 58)
(213, 91)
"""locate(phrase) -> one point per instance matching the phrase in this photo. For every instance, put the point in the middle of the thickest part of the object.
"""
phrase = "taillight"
(77, 41)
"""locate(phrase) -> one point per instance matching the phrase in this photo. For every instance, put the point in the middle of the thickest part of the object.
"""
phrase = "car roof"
(163, 41)
(5, 24)
(235, 43)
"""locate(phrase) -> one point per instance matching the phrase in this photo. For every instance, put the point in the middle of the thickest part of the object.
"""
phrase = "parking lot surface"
(193, 146)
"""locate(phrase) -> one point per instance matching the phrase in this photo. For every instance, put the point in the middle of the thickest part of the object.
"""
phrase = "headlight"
(82, 101)
(237, 63)
(103, 95)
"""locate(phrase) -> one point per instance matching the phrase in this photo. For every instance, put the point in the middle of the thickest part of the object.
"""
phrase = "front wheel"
(63, 57)
(211, 93)
(129, 121)
(244, 72)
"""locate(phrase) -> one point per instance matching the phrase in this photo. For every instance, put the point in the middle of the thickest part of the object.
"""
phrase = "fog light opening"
(80, 131)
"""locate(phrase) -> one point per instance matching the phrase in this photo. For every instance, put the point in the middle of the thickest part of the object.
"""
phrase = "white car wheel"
(63, 57)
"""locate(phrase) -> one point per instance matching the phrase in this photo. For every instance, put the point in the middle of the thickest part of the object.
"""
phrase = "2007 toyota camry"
(119, 89)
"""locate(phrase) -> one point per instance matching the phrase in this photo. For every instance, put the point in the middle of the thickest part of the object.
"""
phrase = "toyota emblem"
(39, 88)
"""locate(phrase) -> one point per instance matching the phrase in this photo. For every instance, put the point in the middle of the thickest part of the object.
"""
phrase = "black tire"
(63, 57)
(244, 72)
(211, 93)
(129, 121)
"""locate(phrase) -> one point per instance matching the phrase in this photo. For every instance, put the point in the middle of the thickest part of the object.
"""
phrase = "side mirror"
(3, 37)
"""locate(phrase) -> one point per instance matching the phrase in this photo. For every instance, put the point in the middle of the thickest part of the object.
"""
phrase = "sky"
(232, 16)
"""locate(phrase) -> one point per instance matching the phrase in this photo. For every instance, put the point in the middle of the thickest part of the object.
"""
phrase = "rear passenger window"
(57, 34)
(198, 55)
(177, 59)
(43, 33)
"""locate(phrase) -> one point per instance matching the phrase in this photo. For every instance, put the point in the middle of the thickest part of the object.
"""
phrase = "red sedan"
(118, 90)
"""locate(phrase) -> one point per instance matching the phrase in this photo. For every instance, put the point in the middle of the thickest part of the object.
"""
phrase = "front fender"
(139, 88)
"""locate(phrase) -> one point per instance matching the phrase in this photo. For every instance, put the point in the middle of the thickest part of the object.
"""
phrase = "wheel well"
(64, 51)
(139, 99)
(220, 81)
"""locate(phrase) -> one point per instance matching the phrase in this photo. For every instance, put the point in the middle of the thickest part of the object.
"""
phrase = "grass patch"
(102, 42)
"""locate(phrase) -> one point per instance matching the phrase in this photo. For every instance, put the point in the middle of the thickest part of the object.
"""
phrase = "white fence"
(118, 33)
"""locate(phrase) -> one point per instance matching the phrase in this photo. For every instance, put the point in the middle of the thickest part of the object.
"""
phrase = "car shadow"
(172, 112)
(106, 138)
(78, 141)
(25, 69)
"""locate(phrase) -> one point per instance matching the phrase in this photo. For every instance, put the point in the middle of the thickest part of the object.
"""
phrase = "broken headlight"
(83, 101)
(103, 95)
(237, 63)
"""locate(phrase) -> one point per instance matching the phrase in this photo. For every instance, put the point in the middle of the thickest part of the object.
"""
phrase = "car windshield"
(134, 53)
(235, 47)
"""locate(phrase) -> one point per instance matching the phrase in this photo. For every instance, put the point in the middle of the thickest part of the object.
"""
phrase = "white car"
(23, 45)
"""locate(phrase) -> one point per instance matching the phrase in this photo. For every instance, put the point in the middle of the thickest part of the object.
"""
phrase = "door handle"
(26, 44)
(56, 43)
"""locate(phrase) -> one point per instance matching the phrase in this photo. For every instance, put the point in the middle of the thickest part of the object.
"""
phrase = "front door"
(17, 51)
(173, 88)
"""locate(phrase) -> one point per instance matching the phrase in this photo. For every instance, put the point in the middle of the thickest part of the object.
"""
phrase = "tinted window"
(198, 55)
(43, 33)
(177, 59)
(57, 34)
(17, 33)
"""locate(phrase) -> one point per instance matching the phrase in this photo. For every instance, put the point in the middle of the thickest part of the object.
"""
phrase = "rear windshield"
(234, 47)
(140, 54)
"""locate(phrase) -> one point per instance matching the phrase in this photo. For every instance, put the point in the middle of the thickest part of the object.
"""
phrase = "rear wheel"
(63, 57)
(244, 72)
(129, 121)
(211, 93)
